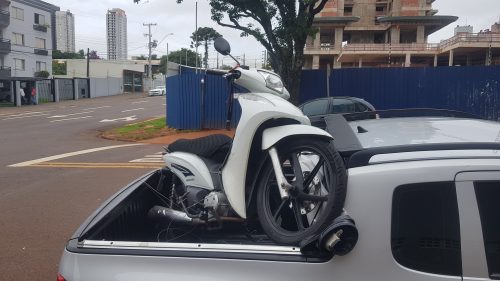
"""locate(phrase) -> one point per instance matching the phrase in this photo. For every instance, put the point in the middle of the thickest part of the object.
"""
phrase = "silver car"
(423, 192)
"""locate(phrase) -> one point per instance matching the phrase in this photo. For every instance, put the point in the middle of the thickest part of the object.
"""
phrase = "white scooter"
(277, 168)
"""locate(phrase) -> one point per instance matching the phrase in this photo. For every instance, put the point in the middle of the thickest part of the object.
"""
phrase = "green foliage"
(56, 54)
(141, 57)
(58, 68)
(179, 57)
(42, 74)
(205, 36)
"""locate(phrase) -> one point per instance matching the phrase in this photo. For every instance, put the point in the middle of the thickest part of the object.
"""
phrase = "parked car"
(317, 109)
(158, 91)
(423, 192)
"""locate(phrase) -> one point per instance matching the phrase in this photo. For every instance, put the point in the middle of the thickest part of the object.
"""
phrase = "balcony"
(39, 27)
(5, 72)
(391, 48)
(478, 40)
(4, 46)
(41, 52)
(4, 18)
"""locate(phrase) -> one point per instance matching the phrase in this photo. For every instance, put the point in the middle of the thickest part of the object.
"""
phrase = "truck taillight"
(60, 277)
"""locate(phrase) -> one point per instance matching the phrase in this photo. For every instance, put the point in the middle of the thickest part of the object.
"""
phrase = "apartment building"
(30, 32)
(392, 33)
(116, 34)
(65, 31)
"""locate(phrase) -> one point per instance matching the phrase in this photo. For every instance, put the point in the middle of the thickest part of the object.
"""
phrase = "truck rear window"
(488, 200)
(425, 232)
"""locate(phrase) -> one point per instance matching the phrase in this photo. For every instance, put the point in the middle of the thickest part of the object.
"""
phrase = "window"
(361, 107)
(39, 43)
(425, 232)
(343, 106)
(488, 196)
(317, 107)
(18, 39)
(39, 19)
(41, 66)
(19, 64)
(17, 13)
(348, 11)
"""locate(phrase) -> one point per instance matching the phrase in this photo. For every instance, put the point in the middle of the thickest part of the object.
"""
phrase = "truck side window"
(488, 198)
(425, 232)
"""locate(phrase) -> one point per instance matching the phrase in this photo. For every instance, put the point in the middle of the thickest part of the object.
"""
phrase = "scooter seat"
(213, 147)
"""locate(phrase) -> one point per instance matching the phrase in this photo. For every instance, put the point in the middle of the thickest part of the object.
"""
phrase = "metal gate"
(82, 88)
(45, 91)
(66, 89)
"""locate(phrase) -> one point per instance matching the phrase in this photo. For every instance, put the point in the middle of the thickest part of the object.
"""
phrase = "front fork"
(283, 185)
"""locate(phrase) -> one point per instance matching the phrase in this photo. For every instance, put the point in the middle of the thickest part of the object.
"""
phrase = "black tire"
(281, 219)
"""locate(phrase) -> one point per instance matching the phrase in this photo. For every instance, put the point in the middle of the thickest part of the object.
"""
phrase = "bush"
(42, 74)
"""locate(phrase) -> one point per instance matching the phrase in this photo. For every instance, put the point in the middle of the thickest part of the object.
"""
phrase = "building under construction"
(393, 33)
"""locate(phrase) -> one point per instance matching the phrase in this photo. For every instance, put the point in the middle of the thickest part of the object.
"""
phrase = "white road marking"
(18, 114)
(74, 118)
(66, 115)
(27, 116)
(164, 104)
(91, 108)
(65, 155)
(126, 119)
(153, 158)
(135, 109)
(143, 101)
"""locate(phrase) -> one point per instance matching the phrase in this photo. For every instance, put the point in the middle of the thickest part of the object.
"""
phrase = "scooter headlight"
(273, 81)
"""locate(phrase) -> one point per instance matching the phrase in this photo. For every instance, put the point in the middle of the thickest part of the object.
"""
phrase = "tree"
(281, 26)
(179, 57)
(205, 36)
(93, 55)
(58, 68)
(56, 54)
(141, 57)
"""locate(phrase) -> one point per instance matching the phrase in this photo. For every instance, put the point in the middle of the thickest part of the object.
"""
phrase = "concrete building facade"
(65, 31)
(116, 34)
(30, 32)
(390, 33)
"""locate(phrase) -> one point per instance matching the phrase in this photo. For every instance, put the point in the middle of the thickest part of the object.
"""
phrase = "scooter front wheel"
(318, 176)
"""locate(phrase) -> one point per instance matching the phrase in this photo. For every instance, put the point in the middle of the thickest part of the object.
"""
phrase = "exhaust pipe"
(162, 213)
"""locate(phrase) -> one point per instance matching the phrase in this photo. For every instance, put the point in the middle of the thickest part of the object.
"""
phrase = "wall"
(100, 68)
(102, 87)
(26, 52)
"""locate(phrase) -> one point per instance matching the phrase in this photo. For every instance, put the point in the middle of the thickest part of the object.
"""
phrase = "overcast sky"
(179, 19)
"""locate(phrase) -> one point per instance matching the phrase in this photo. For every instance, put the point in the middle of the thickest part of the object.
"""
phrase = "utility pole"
(151, 45)
(88, 62)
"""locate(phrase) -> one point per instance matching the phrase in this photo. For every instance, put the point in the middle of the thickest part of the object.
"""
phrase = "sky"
(179, 19)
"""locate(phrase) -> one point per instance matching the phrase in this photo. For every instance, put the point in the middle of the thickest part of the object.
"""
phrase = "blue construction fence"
(193, 104)
(198, 100)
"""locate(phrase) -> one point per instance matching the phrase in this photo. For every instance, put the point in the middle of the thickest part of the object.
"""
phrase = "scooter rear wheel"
(318, 175)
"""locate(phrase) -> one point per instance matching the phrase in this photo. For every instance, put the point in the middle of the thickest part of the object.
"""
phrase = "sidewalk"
(190, 135)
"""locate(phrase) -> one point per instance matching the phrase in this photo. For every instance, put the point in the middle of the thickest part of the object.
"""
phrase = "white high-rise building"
(116, 31)
(65, 31)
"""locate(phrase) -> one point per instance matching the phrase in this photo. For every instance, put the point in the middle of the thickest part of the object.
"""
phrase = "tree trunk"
(290, 69)
(205, 59)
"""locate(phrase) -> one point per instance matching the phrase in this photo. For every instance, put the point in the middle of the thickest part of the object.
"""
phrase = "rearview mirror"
(222, 46)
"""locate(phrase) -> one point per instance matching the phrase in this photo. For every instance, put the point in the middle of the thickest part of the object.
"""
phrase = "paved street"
(55, 170)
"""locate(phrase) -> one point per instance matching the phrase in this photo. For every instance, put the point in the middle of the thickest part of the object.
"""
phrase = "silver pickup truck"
(424, 193)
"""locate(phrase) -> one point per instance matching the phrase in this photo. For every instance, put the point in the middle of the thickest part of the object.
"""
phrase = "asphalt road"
(55, 170)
